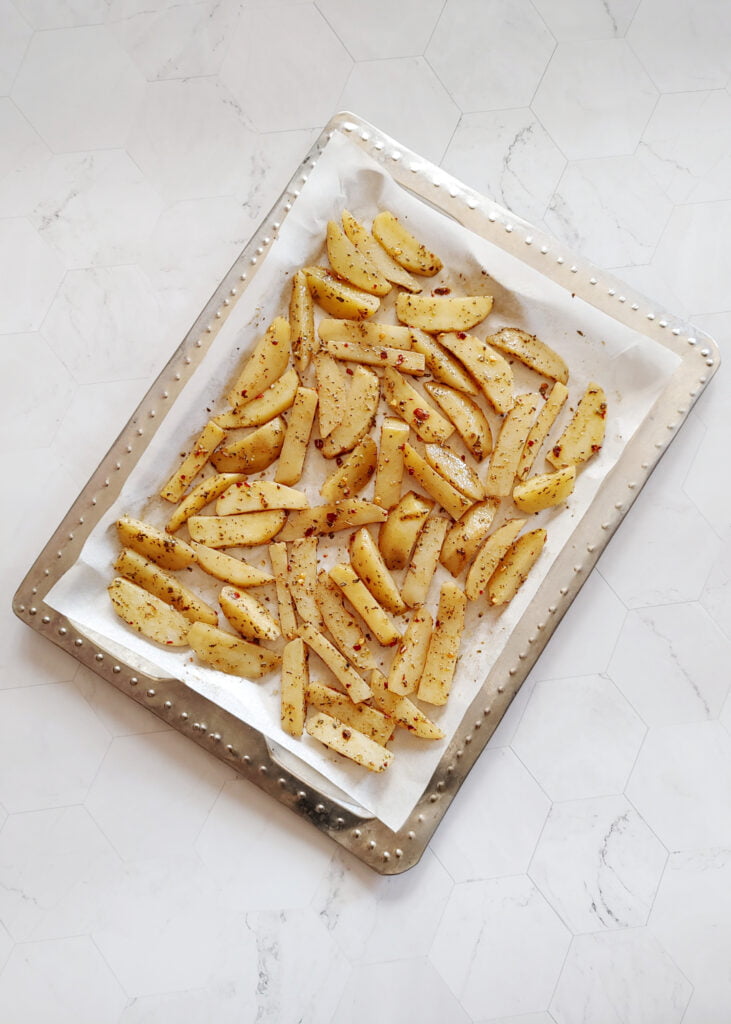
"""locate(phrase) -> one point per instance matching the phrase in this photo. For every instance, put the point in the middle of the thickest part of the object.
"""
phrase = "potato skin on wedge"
(146, 613)
(544, 490)
(229, 654)
(514, 567)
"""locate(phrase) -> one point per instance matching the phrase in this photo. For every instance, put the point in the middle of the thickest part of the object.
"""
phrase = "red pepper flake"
(383, 354)
(357, 647)
(421, 415)
(236, 594)
(461, 334)
(309, 531)
(349, 371)
(319, 443)
(556, 450)
(596, 448)
(331, 517)
(442, 291)
(400, 359)
(603, 410)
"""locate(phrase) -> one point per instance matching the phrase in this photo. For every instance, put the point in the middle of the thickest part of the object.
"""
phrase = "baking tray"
(274, 770)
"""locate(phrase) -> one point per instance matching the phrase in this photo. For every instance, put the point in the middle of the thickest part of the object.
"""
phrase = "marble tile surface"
(582, 873)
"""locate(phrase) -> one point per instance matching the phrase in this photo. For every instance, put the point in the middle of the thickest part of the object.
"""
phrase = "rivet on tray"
(564, 591)
(233, 291)
(62, 630)
(372, 844)
(692, 341)
(468, 738)
(128, 449)
(242, 277)
(512, 671)
(709, 362)
(199, 342)
(420, 818)
(433, 798)
(46, 619)
(658, 444)
(230, 748)
(379, 145)
(320, 808)
(282, 781)
(365, 136)
(634, 306)
(618, 504)
(218, 314)
(167, 705)
(151, 692)
(440, 786)
(486, 710)
(277, 225)
(592, 280)
(544, 249)
(165, 394)
(340, 822)
(559, 259)
(528, 240)
(477, 725)
(650, 316)
(580, 568)
(453, 192)
(116, 669)
(348, 126)
(253, 260)
(611, 291)
(521, 656)
(472, 203)
(78, 642)
(662, 323)
(703, 379)
(357, 833)
(605, 526)
(676, 331)
(552, 609)
(263, 769)
(134, 681)
(106, 482)
(592, 547)
(152, 415)
(508, 228)
(411, 834)
(99, 656)
(705, 352)
(47, 572)
(301, 795)
(259, 250)
(246, 759)
(266, 240)
(458, 754)
(672, 426)
(395, 156)
(399, 852)
(492, 217)
(215, 736)
(32, 611)
(227, 302)
(531, 639)
(574, 269)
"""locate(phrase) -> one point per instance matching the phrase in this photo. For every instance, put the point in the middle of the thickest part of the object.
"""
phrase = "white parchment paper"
(632, 369)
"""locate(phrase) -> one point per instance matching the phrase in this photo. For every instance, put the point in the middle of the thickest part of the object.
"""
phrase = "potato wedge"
(491, 371)
(229, 653)
(442, 364)
(514, 567)
(266, 364)
(404, 712)
(411, 406)
(466, 415)
(248, 616)
(258, 496)
(295, 682)
(348, 741)
(254, 452)
(280, 567)
(488, 557)
(302, 322)
(355, 686)
(509, 446)
(531, 352)
(370, 721)
(368, 563)
(401, 245)
(362, 405)
(229, 569)
(438, 313)
(338, 298)
(331, 392)
(344, 628)
(206, 491)
(539, 431)
(390, 466)
(302, 579)
(424, 561)
(352, 265)
(544, 490)
(376, 355)
(364, 241)
(441, 658)
(397, 536)
(134, 566)
(451, 500)
(354, 473)
(367, 332)
(449, 465)
(277, 398)
(199, 454)
(373, 614)
(408, 662)
(248, 530)
(166, 551)
(341, 515)
(294, 447)
(584, 435)
(153, 618)
(466, 536)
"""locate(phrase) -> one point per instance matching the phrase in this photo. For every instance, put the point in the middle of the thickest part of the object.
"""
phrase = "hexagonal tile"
(716, 596)
(35, 403)
(25, 298)
(693, 54)
(595, 98)
(598, 864)
(271, 73)
(62, 13)
(587, 19)
(274, 158)
(486, 79)
(153, 793)
(712, 406)
(14, 41)
(691, 255)
(6, 945)
(416, 992)
(78, 88)
(120, 715)
(64, 981)
(500, 947)
(680, 785)
(23, 159)
(705, 487)
(51, 745)
(189, 139)
(579, 737)
(374, 920)
(650, 283)
(495, 822)
(362, 28)
(666, 664)
(523, 1018)
(426, 126)
(26, 659)
(594, 984)
(508, 155)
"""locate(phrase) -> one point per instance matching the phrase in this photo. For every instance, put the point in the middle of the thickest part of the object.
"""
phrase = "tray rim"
(385, 850)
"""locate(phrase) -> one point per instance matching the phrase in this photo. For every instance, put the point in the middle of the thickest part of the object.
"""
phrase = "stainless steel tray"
(238, 744)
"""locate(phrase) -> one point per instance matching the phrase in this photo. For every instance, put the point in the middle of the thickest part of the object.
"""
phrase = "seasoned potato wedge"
(491, 371)
(257, 496)
(403, 711)
(376, 355)
(509, 446)
(351, 264)
(266, 364)
(277, 398)
(229, 569)
(295, 683)
(408, 662)
(157, 545)
(229, 653)
(539, 431)
(331, 391)
(154, 618)
(338, 298)
(400, 244)
(348, 741)
(390, 466)
(367, 332)
(438, 313)
(514, 567)
(466, 536)
(466, 415)
(280, 566)
(341, 515)
(447, 463)
(248, 616)
(397, 536)
(206, 491)
(354, 473)
(370, 721)
(368, 563)
(451, 500)
(294, 447)
(424, 561)
(247, 530)
(412, 407)
(544, 490)
(362, 405)
(442, 364)
(530, 351)
(254, 452)
(386, 265)
(355, 686)
(302, 322)
(441, 658)
(367, 607)
(488, 557)
(169, 589)
(343, 627)
(302, 579)
(210, 437)
(584, 435)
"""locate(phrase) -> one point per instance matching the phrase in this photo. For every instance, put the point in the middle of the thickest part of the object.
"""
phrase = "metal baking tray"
(385, 850)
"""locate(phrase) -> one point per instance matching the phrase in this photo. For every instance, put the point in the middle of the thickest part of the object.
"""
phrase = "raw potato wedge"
(295, 683)
(294, 447)
(488, 557)
(321, 519)
(338, 298)
(539, 431)
(363, 240)
(466, 415)
(266, 364)
(412, 407)
(229, 569)
(354, 473)
(361, 599)
(397, 536)
(166, 551)
(169, 589)
(584, 435)
(356, 687)
(451, 500)
(280, 566)
(368, 563)
(442, 364)
(365, 719)
(401, 245)
(424, 561)
(146, 613)
(514, 567)
(544, 490)
(351, 264)
(466, 536)
(403, 711)
(258, 496)
(408, 662)
(438, 313)
(441, 658)
(376, 355)
(275, 400)
(361, 403)
(254, 452)
(390, 466)
(348, 741)
(491, 371)
(210, 437)
(302, 579)
(447, 463)
(229, 653)
(331, 391)
(531, 352)
(248, 616)
(247, 530)
(367, 332)
(509, 446)
(302, 322)
(342, 626)
(206, 491)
